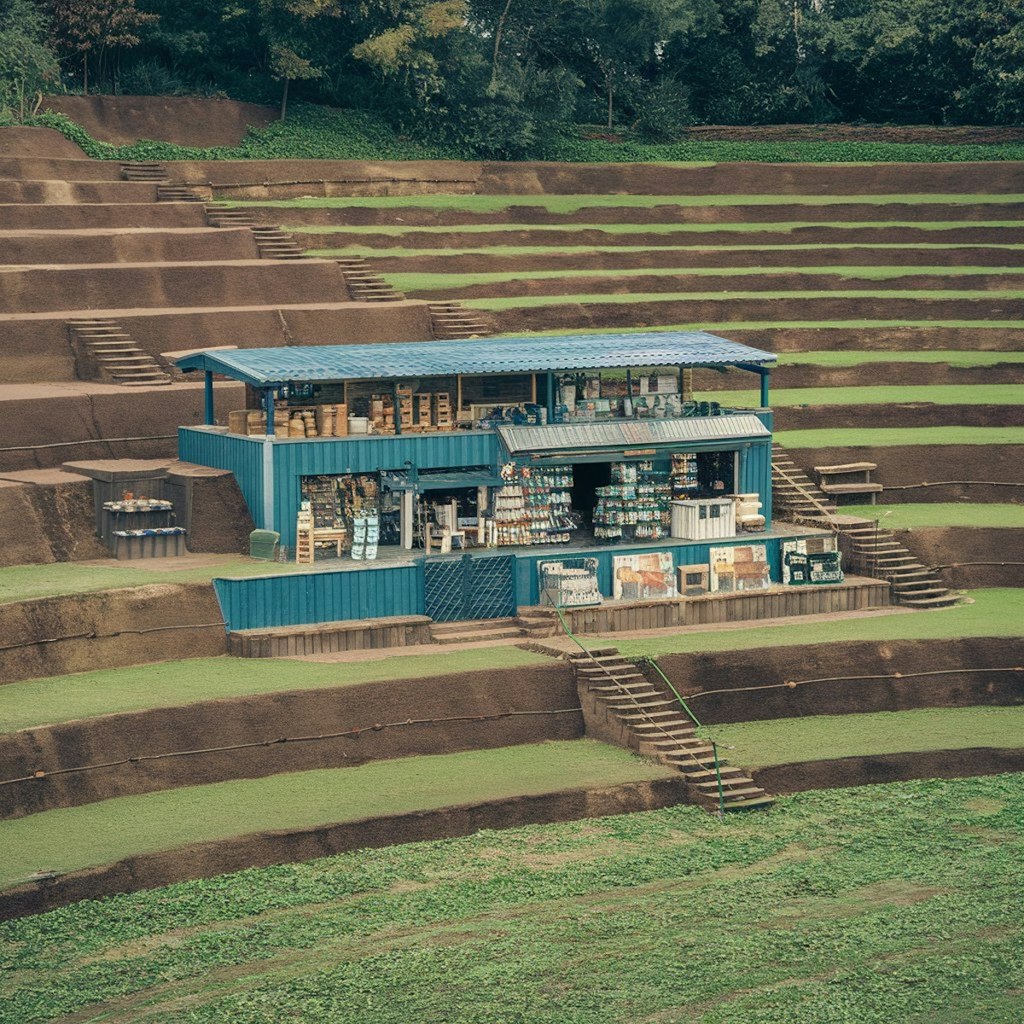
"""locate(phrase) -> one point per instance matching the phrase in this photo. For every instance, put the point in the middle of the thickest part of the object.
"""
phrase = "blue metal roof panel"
(400, 360)
(630, 433)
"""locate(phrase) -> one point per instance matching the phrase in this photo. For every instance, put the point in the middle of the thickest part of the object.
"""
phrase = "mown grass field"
(824, 737)
(896, 903)
(993, 612)
(27, 582)
(72, 838)
(997, 516)
(571, 203)
(107, 691)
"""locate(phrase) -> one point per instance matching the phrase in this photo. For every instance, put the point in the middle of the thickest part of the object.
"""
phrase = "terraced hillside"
(896, 314)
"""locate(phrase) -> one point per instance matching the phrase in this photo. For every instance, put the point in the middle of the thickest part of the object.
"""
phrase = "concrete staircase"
(867, 549)
(620, 705)
(141, 171)
(364, 285)
(105, 348)
(271, 242)
(875, 552)
(172, 192)
(452, 321)
(529, 624)
(795, 496)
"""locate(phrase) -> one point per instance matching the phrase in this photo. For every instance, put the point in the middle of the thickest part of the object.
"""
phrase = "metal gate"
(458, 589)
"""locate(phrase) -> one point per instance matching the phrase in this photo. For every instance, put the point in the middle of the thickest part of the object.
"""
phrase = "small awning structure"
(271, 367)
(448, 481)
(625, 435)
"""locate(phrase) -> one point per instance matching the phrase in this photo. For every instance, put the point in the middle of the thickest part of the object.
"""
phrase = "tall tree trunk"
(498, 32)
(85, 74)
(284, 99)
(609, 86)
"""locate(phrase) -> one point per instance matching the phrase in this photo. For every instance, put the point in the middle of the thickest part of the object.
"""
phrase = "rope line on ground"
(953, 483)
(791, 684)
(88, 440)
(346, 733)
(107, 636)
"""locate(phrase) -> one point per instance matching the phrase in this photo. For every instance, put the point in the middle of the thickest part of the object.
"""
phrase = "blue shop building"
(505, 454)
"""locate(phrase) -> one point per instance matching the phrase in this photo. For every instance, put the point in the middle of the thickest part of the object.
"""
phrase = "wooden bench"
(843, 485)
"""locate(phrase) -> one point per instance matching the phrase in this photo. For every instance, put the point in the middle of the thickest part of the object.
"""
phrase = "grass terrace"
(995, 516)
(883, 903)
(573, 203)
(107, 691)
(72, 838)
(826, 737)
(998, 611)
(884, 437)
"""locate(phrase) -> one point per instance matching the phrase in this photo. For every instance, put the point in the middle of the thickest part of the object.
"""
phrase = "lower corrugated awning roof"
(618, 434)
(447, 481)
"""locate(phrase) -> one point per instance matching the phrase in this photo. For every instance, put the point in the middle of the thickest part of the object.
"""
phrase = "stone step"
(643, 705)
(731, 781)
(944, 601)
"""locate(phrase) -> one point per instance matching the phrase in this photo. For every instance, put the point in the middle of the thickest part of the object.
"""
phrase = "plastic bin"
(263, 544)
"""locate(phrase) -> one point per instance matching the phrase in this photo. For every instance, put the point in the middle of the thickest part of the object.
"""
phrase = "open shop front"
(373, 451)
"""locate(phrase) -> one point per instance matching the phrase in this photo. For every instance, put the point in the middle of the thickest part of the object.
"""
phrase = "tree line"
(497, 75)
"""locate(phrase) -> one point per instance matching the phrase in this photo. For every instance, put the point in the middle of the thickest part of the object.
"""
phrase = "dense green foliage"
(27, 65)
(513, 78)
(319, 133)
(880, 904)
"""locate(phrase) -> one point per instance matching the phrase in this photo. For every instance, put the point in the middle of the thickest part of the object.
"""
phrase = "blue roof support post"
(765, 376)
(268, 405)
(208, 417)
(395, 408)
(550, 396)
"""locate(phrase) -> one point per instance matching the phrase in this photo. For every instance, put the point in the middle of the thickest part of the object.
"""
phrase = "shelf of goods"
(142, 528)
(535, 508)
(683, 475)
(635, 506)
(569, 587)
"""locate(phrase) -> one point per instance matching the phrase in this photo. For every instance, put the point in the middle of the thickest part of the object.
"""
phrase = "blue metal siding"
(296, 459)
(242, 455)
(756, 475)
(299, 598)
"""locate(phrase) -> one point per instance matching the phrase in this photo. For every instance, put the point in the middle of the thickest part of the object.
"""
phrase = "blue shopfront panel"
(303, 597)
(756, 475)
(527, 585)
(242, 455)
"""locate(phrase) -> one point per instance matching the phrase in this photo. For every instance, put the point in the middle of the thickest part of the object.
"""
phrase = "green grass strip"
(824, 737)
(409, 282)
(762, 325)
(998, 611)
(996, 516)
(27, 582)
(605, 298)
(374, 252)
(950, 357)
(572, 203)
(934, 394)
(886, 437)
(773, 227)
(72, 838)
(34, 702)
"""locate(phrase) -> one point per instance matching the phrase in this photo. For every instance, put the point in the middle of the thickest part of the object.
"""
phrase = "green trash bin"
(263, 544)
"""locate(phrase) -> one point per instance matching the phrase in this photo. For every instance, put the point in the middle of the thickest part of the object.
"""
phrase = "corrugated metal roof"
(631, 433)
(402, 360)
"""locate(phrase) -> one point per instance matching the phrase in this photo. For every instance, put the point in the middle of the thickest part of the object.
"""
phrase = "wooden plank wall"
(717, 608)
(327, 637)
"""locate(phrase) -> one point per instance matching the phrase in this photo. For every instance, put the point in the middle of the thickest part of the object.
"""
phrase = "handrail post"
(718, 779)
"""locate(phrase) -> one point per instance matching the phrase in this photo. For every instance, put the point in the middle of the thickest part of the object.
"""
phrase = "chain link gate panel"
(460, 589)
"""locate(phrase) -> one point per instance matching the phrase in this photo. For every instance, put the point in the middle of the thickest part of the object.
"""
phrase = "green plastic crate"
(263, 544)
